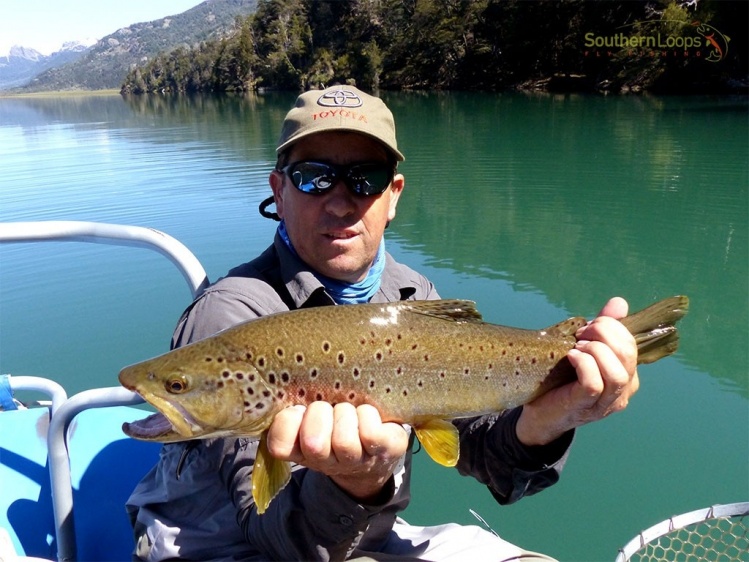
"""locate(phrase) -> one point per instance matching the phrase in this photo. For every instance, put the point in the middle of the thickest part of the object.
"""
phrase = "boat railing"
(63, 409)
(113, 234)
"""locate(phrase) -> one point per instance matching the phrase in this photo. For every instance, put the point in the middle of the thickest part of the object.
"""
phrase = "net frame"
(723, 528)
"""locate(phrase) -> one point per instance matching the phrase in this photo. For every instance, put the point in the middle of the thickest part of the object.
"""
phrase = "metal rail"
(113, 234)
(64, 410)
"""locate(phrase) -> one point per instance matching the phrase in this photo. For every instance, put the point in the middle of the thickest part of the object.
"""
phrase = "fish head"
(199, 394)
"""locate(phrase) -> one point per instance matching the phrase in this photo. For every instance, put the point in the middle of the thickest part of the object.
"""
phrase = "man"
(336, 188)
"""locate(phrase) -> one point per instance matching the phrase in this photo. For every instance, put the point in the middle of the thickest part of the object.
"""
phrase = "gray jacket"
(196, 503)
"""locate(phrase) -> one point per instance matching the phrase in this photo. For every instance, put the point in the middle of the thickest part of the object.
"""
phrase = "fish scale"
(418, 362)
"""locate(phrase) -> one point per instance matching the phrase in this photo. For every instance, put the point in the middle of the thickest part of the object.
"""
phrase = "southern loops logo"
(694, 39)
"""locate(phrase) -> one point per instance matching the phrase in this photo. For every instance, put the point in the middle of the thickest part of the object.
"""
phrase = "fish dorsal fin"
(566, 327)
(440, 439)
(455, 310)
(269, 476)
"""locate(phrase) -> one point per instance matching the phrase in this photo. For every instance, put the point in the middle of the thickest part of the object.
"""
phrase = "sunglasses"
(365, 179)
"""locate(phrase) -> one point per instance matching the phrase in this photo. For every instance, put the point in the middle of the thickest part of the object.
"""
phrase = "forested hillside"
(659, 45)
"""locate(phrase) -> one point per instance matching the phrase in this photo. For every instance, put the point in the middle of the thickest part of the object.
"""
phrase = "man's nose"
(339, 201)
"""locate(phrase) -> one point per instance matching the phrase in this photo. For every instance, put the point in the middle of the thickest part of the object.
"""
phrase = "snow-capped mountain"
(21, 64)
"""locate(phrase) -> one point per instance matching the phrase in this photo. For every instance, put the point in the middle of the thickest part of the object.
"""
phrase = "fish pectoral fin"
(440, 440)
(269, 476)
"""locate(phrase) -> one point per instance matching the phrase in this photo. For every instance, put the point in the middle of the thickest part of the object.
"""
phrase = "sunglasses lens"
(369, 179)
(311, 177)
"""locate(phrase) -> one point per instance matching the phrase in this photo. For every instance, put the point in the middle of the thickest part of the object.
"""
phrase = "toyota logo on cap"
(339, 98)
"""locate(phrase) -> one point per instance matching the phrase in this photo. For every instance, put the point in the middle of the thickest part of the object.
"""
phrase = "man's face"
(336, 233)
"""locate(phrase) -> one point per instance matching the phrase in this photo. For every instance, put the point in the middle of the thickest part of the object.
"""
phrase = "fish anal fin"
(440, 440)
(455, 310)
(269, 476)
(566, 327)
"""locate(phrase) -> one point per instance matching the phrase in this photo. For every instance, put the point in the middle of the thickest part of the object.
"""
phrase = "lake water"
(537, 207)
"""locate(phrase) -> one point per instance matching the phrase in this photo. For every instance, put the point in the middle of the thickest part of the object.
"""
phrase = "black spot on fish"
(250, 390)
(248, 356)
(371, 383)
(261, 362)
(272, 378)
(442, 374)
(510, 344)
(387, 390)
(362, 341)
(517, 373)
(313, 373)
(378, 356)
(399, 371)
(220, 384)
(239, 376)
(351, 395)
(319, 396)
(426, 357)
(491, 366)
(260, 405)
(247, 404)
(414, 346)
(388, 342)
(326, 346)
(399, 336)
(504, 384)
(504, 352)
(285, 377)
(551, 355)
(420, 384)
(251, 377)
(280, 351)
(357, 372)
(220, 359)
(341, 358)
(301, 392)
(208, 359)
(337, 385)
(266, 393)
(405, 392)
(517, 358)
(226, 374)
(280, 394)
(299, 358)
(466, 371)
(533, 361)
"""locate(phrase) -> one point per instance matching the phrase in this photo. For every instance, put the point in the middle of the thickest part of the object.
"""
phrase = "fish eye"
(177, 385)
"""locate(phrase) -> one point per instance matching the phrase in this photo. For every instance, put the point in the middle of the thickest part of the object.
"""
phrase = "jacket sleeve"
(491, 452)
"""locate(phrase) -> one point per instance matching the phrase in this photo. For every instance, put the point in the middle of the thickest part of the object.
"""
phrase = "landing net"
(716, 534)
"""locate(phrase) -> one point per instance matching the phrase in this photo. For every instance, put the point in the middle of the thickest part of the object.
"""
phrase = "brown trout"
(421, 363)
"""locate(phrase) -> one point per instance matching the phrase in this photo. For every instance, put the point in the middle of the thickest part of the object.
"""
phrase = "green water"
(537, 207)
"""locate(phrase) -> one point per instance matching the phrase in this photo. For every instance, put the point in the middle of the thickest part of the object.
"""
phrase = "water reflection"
(576, 197)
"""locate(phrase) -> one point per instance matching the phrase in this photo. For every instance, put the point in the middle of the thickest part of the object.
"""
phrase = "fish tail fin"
(654, 330)
(269, 476)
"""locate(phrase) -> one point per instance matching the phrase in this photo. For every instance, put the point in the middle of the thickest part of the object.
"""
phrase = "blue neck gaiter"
(341, 291)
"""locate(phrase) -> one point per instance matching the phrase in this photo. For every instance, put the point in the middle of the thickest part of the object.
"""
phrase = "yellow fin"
(269, 476)
(440, 439)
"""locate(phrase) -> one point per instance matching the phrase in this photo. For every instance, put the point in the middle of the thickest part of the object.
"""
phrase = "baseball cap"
(339, 108)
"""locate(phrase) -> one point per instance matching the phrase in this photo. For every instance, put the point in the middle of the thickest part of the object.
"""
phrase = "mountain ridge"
(105, 64)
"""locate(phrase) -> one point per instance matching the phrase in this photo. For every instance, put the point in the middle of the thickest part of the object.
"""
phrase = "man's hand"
(605, 358)
(349, 444)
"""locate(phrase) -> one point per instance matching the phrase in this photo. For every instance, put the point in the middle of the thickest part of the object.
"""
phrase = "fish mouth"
(170, 423)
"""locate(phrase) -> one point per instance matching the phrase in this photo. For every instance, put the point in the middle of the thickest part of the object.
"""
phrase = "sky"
(45, 25)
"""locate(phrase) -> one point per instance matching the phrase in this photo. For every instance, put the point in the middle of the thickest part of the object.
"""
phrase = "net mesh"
(715, 537)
